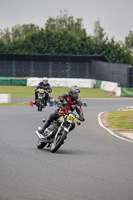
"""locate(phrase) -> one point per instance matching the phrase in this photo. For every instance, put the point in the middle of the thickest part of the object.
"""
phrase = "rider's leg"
(72, 127)
(52, 117)
(46, 99)
(36, 97)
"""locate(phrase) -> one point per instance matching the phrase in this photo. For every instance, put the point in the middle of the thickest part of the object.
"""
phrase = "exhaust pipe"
(40, 136)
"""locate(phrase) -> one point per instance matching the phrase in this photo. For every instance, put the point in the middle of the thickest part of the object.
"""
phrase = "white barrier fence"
(63, 82)
(5, 98)
(109, 86)
(82, 83)
(118, 91)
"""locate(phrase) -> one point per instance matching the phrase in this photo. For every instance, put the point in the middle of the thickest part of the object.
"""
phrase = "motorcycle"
(40, 102)
(57, 132)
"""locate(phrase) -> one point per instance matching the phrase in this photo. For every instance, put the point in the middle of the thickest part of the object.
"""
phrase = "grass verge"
(16, 104)
(27, 92)
(121, 119)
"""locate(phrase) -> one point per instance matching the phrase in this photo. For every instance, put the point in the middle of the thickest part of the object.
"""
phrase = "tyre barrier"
(5, 98)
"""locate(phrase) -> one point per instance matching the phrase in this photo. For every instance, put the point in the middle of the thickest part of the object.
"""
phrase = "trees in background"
(66, 22)
(129, 40)
(65, 35)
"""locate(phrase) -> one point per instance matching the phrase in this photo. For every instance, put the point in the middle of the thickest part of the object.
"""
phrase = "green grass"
(84, 92)
(29, 92)
(121, 119)
(25, 92)
(18, 91)
(16, 104)
(95, 93)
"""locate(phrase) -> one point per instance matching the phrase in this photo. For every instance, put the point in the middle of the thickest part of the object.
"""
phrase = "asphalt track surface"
(91, 165)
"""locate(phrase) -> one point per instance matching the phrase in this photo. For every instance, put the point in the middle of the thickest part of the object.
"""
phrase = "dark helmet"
(74, 92)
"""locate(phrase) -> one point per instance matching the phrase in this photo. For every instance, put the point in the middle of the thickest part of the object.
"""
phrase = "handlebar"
(41, 89)
(60, 106)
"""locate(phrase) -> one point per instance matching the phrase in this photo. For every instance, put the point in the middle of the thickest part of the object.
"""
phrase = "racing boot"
(45, 103)
(34, 102)
(41, 130)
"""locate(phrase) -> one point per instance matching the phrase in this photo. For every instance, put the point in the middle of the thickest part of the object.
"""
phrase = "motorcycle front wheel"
(58, 142)
(41, 144)
(39, 105)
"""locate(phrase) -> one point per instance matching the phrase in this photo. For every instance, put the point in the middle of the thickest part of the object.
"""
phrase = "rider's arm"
(60, 99)
(49, 89)
(80, 113)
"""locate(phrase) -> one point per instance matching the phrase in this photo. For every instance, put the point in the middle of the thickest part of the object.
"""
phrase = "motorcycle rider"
(45, 86)
(70, 102)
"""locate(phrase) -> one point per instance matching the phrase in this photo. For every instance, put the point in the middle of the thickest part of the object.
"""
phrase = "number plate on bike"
(41, 90)
(71, 118)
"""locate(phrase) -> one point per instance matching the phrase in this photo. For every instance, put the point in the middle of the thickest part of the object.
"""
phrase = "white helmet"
(45, 80)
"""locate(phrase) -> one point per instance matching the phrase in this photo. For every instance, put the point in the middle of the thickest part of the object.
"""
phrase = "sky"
(116, 16)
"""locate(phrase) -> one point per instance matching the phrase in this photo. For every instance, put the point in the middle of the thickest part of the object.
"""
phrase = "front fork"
(65, 128)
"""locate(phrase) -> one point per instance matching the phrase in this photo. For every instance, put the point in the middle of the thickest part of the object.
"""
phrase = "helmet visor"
(45, 81)
(75, 95)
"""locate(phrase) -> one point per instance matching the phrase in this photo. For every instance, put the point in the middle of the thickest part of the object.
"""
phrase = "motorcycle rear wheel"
(58, 142)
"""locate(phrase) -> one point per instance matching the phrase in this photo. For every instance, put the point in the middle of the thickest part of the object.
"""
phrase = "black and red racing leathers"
(72, 105)
(69, 105)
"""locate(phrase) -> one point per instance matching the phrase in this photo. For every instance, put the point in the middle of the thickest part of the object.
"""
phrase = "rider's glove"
(59, 104)
(82, 119)
(49, 90)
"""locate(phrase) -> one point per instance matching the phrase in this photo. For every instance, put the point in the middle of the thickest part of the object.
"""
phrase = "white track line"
(111, 132)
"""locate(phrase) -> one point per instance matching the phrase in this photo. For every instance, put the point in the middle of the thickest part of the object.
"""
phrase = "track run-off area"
(91, 165)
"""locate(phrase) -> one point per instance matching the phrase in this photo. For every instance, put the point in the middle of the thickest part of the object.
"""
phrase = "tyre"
(58, 142)
(39, 105)
(39, 109)
(41, 144)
